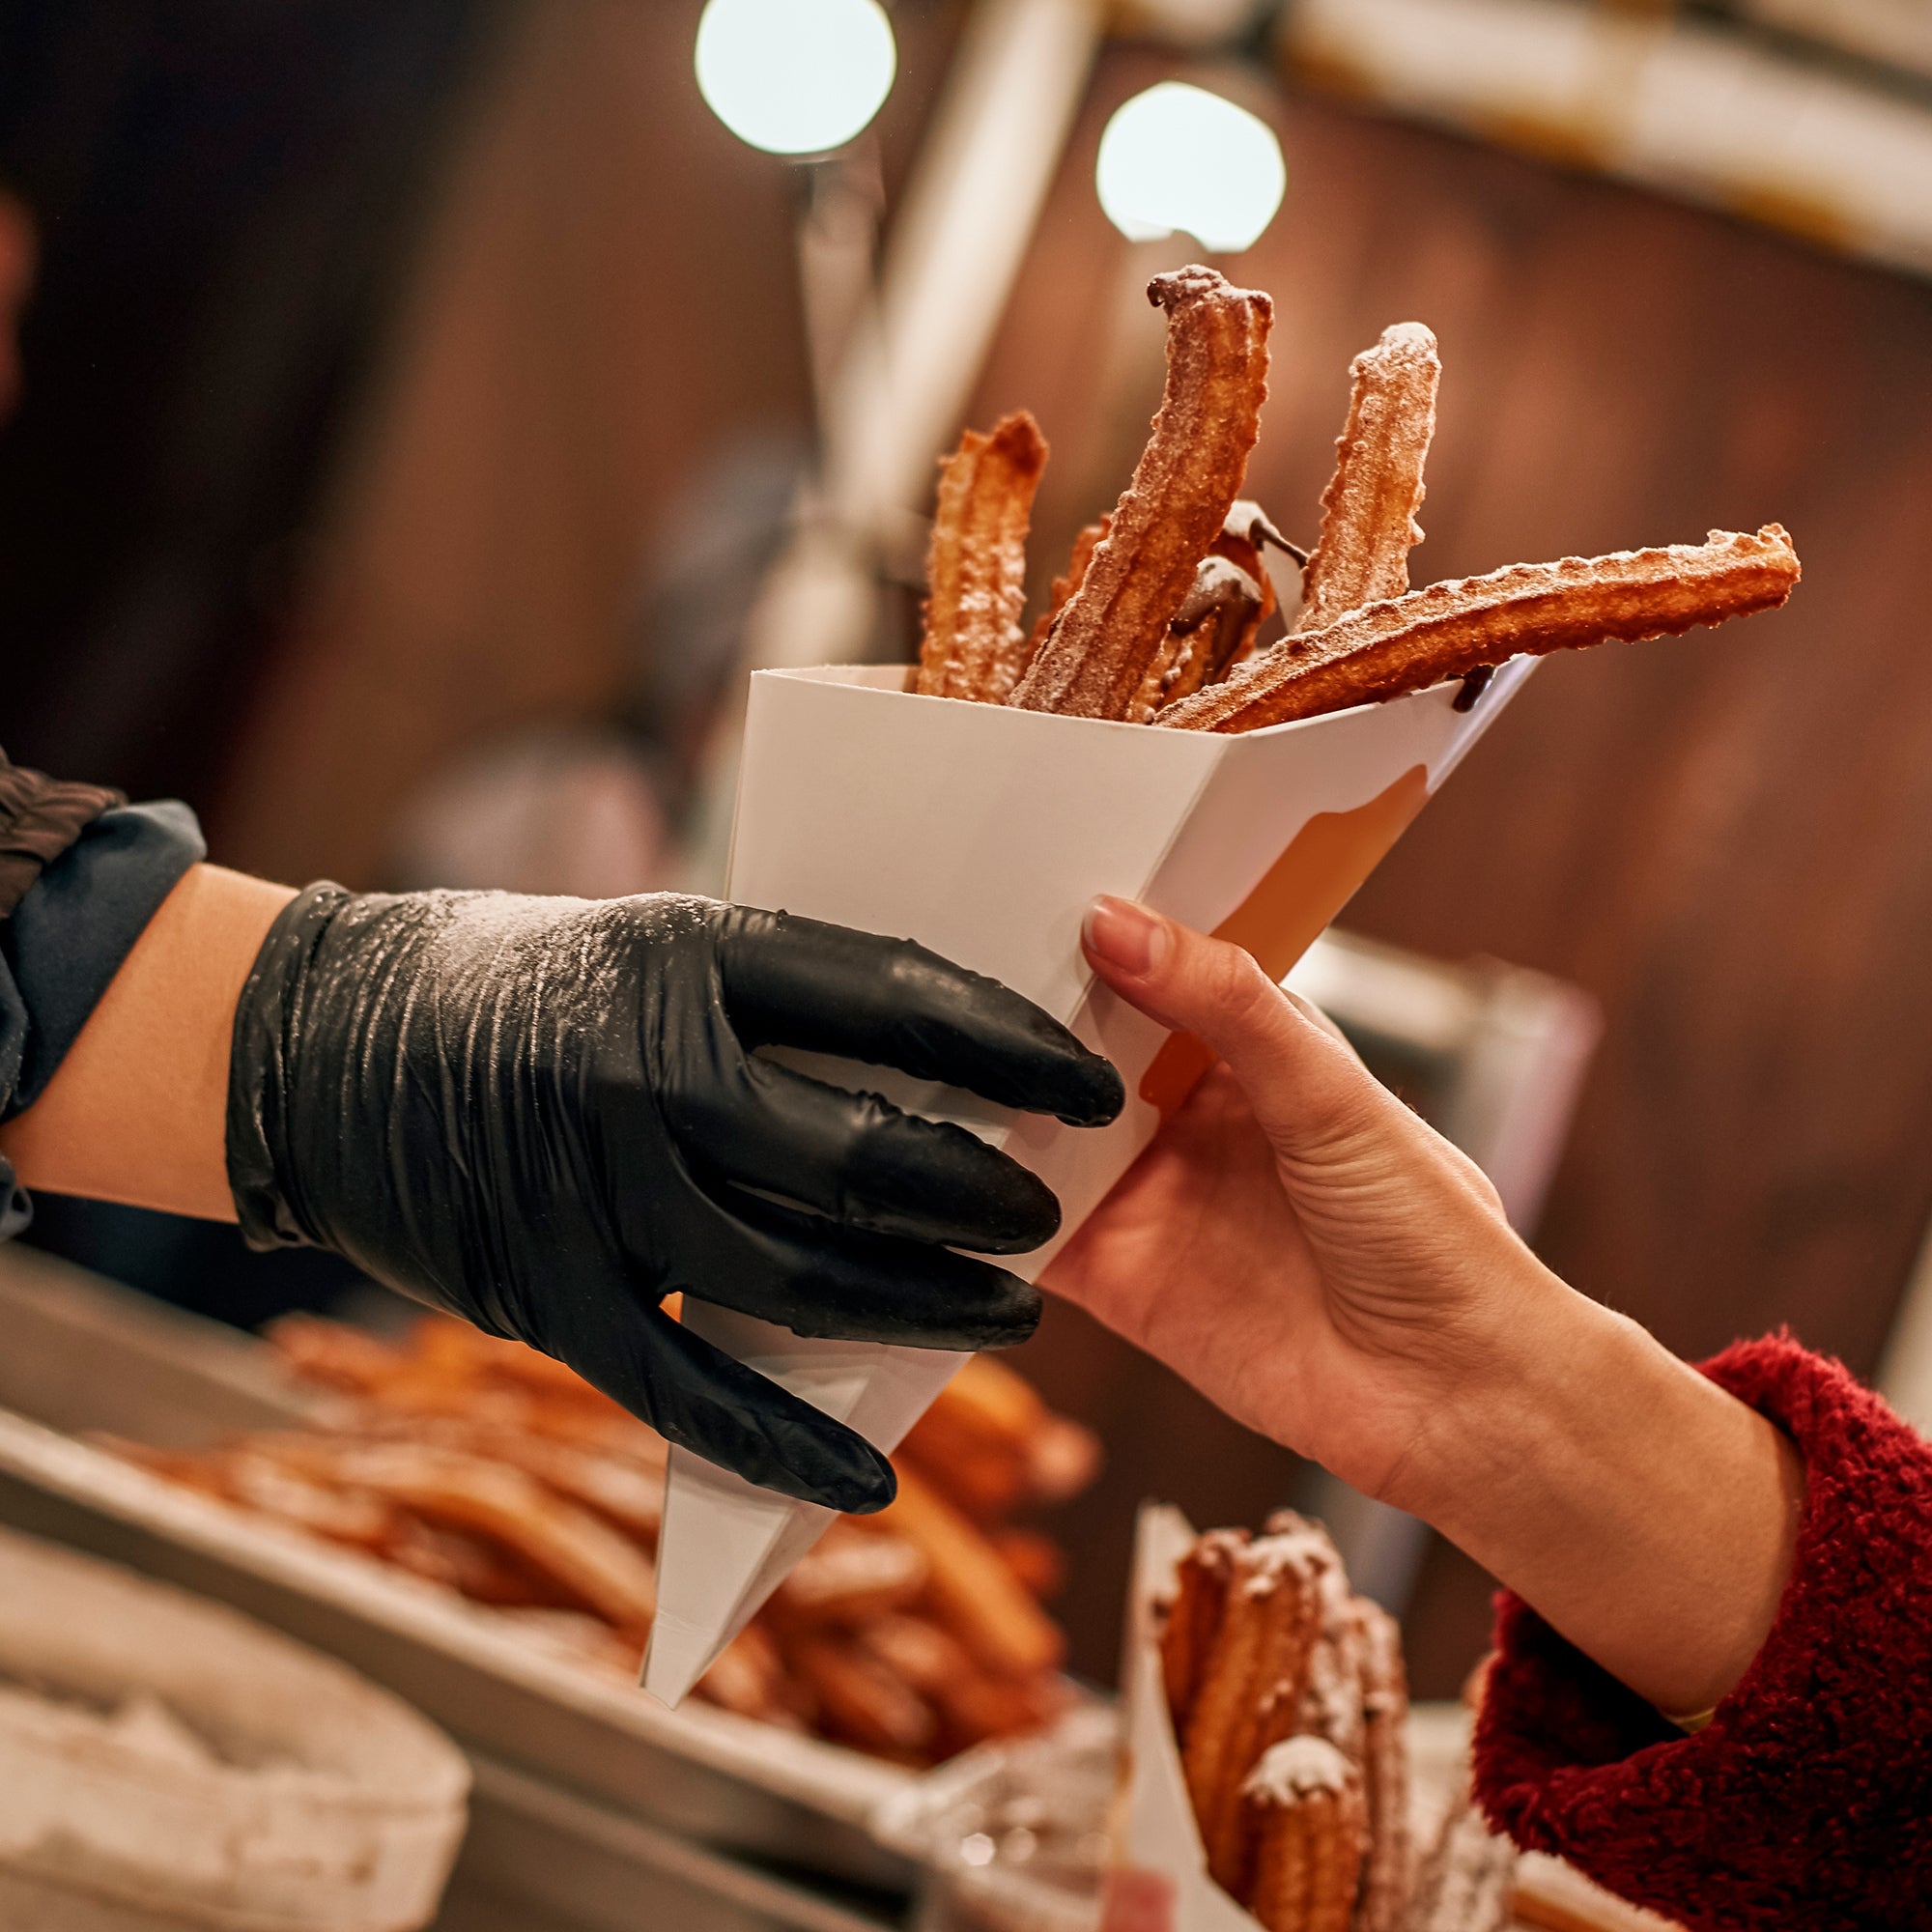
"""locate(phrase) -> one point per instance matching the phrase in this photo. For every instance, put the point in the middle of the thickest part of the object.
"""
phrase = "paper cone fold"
(983, 831)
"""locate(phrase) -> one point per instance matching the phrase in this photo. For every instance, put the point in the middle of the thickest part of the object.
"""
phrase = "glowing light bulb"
(795, 76)
(1177, 157)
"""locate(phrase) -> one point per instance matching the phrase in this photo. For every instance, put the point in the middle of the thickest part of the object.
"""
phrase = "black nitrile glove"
(545, 1115)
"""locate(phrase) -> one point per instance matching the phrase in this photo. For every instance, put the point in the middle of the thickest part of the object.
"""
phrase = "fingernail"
(1126, 936)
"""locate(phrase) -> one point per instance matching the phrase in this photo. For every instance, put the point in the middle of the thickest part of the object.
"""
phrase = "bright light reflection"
(1177, 157)
(795, 76)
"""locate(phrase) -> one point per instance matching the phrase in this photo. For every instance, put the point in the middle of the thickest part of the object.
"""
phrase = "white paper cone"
(984, 832)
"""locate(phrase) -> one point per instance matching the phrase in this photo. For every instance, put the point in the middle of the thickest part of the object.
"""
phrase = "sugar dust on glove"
(545, 1115)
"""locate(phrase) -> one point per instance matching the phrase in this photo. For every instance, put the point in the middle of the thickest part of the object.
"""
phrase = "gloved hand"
(545, 1115)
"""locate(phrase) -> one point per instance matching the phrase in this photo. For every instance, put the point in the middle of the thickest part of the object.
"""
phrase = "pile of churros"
(1157, 617)
(1291, 1707)
(486, 1467)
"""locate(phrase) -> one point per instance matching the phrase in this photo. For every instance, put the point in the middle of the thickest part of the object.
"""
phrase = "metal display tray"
(586, 1789)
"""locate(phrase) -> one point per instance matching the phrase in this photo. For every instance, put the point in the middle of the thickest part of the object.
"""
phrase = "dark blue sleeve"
(66, 939)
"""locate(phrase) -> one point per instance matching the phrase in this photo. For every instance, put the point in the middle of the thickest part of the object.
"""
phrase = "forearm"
(1804, 1802)
(137, 1111)
(1646, 1514)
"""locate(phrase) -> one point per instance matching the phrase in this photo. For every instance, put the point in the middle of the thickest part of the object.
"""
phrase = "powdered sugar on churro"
(1408, 644)
(1332, 1701)
(976, 566)
(1297, 1768)
(1368, 511)
(1299, 1556)
(1093, 658)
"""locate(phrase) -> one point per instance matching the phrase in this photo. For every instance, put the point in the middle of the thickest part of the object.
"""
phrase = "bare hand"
(1329, 1270)
(1296, 1242)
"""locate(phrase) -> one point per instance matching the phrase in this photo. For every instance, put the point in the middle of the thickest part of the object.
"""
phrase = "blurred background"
(427, 411)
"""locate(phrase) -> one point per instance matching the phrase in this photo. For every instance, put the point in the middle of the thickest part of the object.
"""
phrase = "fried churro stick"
(1385, 1878)
(861, 1700)
(1409, 643)
(1114, 625)
(1368, 510)
(476, 1567)
(346, 1516)
(976, 565)
(989, 1443)
(333, 1353)
(1332, 1699)
(595, 1564)
(1089, 539)
(1310, 1833)
(1194, 1619)
(1212, 628)
(980, 1600)
(1035, 1558)
(850, 1577)
(1251, 1686)
(622, 1489)
(748, 1677)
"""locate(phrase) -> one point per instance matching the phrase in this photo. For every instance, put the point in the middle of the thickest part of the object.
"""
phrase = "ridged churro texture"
(1409, 643)
(1089, 539)
(1390, 1862)
(1114, 624)
(1187, 1636)
(1290, 1708)
(1369, 508)
(1309, 1829)
(976, 564)
(1250, 1692)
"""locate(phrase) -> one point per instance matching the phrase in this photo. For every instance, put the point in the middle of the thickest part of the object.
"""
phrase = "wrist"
(135, 1112)
(1499, 1390)
(1643, 1512)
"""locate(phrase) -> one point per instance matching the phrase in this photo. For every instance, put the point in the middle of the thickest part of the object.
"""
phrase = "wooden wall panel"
(607, 293)
(1726, 839)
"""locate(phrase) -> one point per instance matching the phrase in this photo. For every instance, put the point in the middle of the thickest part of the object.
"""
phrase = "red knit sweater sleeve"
(1807, 1800)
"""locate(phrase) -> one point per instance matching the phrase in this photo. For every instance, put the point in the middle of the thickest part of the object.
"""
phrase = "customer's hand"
(1296, 1242)
(547, 1114)
(1308, 1253)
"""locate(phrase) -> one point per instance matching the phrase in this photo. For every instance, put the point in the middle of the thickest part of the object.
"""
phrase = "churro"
(1369, 508)
(749, 1677)
(1251, 1686)
(1193, 1619)
(1309, 1830)
(1216, 620)
(1290, 1709)
(1035, 1558)
(1158, 616)
(976, 565)
(1089, 539)
(1387, 1873)
(625, 1491)
(1115, 623)
(1409, 643)
(482, 1467)
(848, 1577)
(995, 1445)
(860, 1700)
(1333, 1692)
(476, 1567)
(588, 1560)
(981, 1600)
